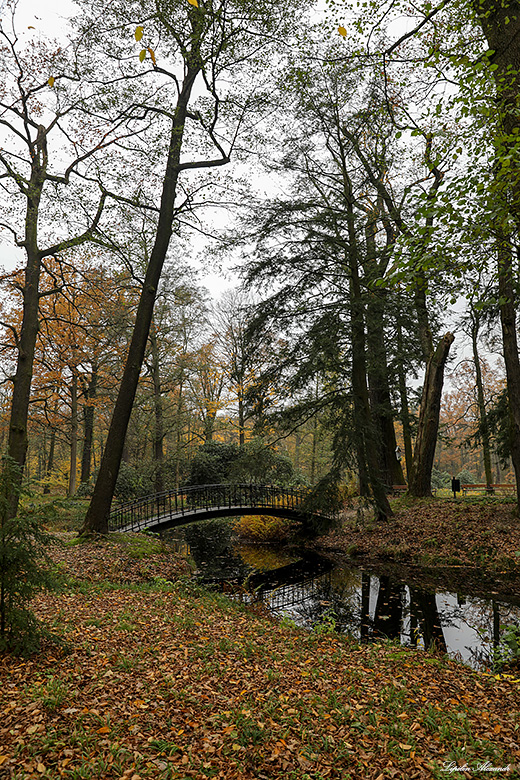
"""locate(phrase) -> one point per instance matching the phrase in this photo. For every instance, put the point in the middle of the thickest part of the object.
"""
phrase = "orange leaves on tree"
(342, 31)
(194, 3)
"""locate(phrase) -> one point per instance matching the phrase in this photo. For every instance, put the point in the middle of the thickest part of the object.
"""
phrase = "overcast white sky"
(49, 19)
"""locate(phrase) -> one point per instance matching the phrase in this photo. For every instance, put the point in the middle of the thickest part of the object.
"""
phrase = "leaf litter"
(161, 680)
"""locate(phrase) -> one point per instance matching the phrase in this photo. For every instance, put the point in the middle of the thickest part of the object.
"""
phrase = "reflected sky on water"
(369, 605)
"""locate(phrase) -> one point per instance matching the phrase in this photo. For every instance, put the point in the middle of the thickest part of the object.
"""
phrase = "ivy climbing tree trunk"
(501, 25)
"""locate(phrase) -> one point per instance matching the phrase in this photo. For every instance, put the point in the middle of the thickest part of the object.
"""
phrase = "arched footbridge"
(202, 502)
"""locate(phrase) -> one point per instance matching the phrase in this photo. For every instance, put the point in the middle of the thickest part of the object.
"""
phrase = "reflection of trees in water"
(364, 605)
(336, 594)
(488, 620)
(396, 603)
(210, 548)
(390, 604)
(424, 605)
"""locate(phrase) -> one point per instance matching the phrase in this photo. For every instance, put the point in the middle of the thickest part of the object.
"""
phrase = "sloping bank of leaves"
(481, 534)
(166, 681)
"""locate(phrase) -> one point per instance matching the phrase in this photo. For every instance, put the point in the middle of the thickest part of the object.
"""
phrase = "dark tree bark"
(88, 425)
(403, 399)
(380, 400)
(18, 441)
(512, 362)
(501, 26)
(71, 491)
(367, 445)
(50, 459)
(418, 479)
(377, 365)
(158, 435)
(99, 509)
(500, 23)
(420, 484)
(481, 403)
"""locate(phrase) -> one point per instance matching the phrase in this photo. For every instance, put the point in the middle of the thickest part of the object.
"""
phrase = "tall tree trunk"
(26, 342)
(367, 445)
(50, 459)
(241, 419)
(208, 424)
(73, 434)
(88, 426)
(500, 23)
(178, 434)
(403, 399)
(158, 435)
(313, 448)
(510, 343)
(377, 363)
(501, 26)
(380, 400)
(481, 403)
(420, 482)
(99, 509)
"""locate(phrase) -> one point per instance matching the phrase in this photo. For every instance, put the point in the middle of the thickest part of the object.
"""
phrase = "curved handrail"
(171, 506)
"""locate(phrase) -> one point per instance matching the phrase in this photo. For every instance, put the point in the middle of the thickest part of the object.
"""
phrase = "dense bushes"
(255, 463)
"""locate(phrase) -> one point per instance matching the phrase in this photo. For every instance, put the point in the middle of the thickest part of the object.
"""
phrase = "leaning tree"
(205, 60)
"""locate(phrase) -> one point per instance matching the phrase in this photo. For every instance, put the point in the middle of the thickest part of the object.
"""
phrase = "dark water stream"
(310, 590)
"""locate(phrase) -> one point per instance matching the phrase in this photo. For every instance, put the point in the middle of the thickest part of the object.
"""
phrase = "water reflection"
(310, 589)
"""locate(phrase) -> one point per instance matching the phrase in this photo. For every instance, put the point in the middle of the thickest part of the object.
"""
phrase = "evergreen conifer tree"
(22, 569)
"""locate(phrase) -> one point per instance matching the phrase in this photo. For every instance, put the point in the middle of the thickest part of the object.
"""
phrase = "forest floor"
(468, 543)
(158, 678)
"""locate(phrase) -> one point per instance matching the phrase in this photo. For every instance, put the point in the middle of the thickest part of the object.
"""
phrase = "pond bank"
(169, 682)
(472, 542)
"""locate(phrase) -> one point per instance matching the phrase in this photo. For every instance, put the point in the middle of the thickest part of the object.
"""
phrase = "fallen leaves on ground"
(165, 681)
(120, 558)
(472, 544)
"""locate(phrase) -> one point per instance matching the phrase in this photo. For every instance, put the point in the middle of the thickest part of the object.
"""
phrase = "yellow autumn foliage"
(263, 528)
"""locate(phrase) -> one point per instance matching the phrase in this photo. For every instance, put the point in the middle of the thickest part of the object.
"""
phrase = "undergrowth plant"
(507, 654)
(22, 569)
(263, 528)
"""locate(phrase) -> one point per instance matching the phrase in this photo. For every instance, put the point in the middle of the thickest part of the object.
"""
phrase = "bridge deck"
(162, 522)
(179, 507)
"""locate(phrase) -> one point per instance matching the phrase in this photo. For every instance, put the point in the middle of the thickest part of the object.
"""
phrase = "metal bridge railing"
(176, 504)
